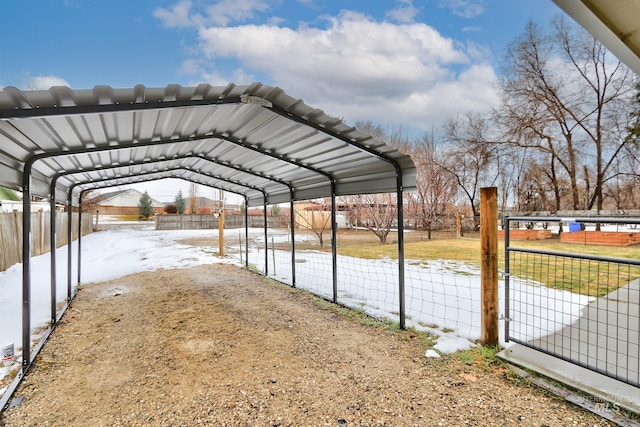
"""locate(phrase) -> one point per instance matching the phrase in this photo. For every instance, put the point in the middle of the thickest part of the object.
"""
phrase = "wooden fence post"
(489, 265)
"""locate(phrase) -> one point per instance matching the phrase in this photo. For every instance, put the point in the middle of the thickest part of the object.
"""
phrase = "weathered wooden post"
(489, 264)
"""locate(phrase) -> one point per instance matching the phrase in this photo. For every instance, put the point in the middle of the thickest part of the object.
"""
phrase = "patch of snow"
(442, 297)
(432, 354)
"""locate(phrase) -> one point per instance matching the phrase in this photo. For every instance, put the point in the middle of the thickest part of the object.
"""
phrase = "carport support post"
(246, 232)
(221, 231)
(401, 250)
(489, 265)
(26, 267)
(69, 249)
(79, 234)
(52, 238)
(334, 242)
(266, 238)
(292, 218)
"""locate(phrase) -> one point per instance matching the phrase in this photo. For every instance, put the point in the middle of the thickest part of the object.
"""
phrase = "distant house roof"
(111, 194)
(128, 197)
(6, 194)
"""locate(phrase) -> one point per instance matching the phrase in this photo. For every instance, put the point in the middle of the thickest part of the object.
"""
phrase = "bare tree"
(193, 198)
(91, 201)
(378, 213)
(471, 156)
(623, 187)
(436, 187)
(564, 95)
(314, 217)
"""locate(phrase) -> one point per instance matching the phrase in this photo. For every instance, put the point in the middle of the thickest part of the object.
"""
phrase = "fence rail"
(11, 234)
(210, 221)
(580, 308)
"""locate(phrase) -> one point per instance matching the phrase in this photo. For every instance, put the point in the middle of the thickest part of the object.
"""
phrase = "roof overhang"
(253, 140)
(616, 23)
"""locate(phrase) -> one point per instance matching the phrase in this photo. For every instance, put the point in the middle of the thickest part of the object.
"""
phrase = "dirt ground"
(220, 345)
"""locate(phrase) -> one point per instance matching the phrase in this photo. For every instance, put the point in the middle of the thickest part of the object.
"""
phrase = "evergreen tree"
(180, 203)
(145, 205)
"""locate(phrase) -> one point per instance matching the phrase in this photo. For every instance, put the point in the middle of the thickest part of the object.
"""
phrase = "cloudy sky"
(409, 63)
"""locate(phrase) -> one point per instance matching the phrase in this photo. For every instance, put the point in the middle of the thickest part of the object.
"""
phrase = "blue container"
(575, 226)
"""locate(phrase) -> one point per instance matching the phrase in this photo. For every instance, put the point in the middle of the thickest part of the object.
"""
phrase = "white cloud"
(354, 67)
(178, 16)
(223, 12)
(191, 66)
(405, 13)
(464, 8)
(425, 107)
(226, 11)
(44, 82)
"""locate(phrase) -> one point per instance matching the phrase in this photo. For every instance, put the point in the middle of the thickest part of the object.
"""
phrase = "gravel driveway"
(220, 345)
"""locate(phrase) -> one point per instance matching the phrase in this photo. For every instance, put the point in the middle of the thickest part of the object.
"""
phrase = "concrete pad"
(602, 387)
(605, 337)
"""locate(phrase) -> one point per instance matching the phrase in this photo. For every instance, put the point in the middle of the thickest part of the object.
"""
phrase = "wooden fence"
(207, 221)
(11, 234)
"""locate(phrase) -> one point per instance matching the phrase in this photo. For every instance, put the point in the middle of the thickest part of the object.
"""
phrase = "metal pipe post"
(79, 235)
(334, 242)
(292, 219)
(246, 231)
(266, 238)
(26, 268)
(52, 238)
(69, 249)
(401, 251)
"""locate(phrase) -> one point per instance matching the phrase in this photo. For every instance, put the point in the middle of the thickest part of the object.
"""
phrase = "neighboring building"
(315, 216)
(122, 202)
(10, 201)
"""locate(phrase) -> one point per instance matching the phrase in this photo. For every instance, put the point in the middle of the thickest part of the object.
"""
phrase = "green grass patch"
(583, 277)
(580, 276)
(483, 356)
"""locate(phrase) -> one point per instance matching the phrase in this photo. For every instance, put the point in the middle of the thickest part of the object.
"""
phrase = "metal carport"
(252, 140)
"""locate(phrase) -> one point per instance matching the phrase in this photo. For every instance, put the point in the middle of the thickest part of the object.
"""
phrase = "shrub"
(171, 209)
(205, 210)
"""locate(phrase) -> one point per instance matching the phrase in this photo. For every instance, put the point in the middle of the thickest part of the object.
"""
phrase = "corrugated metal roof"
(253, 140)
(616, 23)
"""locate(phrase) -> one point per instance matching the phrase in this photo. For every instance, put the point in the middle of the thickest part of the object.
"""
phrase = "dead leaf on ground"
(468, 377)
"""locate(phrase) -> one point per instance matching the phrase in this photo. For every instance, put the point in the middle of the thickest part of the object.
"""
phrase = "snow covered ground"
(442, 297)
